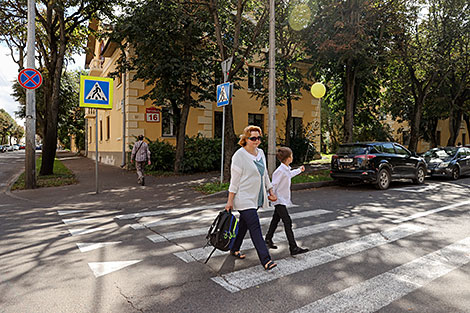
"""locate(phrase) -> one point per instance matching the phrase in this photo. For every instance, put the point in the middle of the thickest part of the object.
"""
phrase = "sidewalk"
(118, 188)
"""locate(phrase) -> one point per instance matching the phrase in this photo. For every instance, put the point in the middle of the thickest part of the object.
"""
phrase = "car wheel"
(420, 175)
(383, 179)
(455, 173)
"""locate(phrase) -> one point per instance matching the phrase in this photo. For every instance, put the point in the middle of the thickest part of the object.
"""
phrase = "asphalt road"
(406, 249)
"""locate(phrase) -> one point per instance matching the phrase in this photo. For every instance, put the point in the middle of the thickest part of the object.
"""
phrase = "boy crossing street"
(281, 186)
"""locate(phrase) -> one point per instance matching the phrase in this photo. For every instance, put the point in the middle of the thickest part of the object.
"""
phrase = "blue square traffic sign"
(96, 92)
(223, 94)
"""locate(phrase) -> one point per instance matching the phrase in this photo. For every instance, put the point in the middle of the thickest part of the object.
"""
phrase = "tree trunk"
(433, 132)
(181, 130)
(415, 122)
(350, 87)
(455, 120)
(230, 144)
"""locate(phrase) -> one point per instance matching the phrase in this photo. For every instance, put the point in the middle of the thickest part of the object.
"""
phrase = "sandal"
(238, 254)
(270, 265)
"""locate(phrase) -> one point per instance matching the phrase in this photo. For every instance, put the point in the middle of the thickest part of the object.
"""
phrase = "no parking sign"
(30, 78)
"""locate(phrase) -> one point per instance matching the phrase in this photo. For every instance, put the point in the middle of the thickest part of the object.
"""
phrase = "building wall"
(200, 120)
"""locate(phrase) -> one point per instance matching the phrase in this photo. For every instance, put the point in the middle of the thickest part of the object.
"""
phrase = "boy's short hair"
(283, 153)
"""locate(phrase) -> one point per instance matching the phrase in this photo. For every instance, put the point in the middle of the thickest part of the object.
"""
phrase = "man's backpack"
(222, 233)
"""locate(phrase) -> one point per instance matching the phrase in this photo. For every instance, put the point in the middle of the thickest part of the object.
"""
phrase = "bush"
(162, 155)
(201, 154)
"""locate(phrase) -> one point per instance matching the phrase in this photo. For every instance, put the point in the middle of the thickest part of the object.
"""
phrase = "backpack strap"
(210, 255)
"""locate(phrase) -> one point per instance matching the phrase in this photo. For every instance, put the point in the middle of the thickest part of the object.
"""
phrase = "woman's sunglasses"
(255, 138)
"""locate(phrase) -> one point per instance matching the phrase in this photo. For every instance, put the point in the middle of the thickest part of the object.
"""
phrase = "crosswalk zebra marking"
(65, 212)
(253, 276)
(169, 211)
(84, 231)
(379, 291)
(89, 246)
(103, 268)
(210, 216)
(68, 221)
(203, 230)
(201, 253)
(429, 212)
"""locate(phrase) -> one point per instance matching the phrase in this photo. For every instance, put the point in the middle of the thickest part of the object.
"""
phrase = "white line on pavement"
(429, 212)
(202, 253)
(103, 268)
(379, 291)
(83, 231)
(208, 216)
(69, 221)
(203, 230)
(89, 246)
(169, 211)
(253, 276)
(65, 212)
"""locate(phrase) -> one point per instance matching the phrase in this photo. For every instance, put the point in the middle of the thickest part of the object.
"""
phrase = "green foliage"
(318, 176)
(162, 155)
(9, 129)
(62, 176)
(201, 154)
(210, 188)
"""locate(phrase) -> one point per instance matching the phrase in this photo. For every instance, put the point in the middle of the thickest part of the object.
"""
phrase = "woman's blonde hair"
(247, 133)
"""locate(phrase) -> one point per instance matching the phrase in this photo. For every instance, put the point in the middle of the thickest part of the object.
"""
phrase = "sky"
(9, 74)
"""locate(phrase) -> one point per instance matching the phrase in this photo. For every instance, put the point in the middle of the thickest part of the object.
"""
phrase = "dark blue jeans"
(249, 220)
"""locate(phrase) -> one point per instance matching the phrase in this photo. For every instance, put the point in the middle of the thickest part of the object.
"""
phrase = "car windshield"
(352, 149)
(441, 153)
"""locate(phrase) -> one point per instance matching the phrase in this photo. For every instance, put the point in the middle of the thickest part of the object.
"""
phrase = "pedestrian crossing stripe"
(253, 276)
(96, 92)
(103, 268)
(381, 290)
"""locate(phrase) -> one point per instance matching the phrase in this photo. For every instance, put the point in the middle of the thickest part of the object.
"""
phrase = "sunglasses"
(255, 138)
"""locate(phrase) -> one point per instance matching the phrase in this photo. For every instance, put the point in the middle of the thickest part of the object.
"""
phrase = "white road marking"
(202, 253)
(69, 221)
(429, 212)
(103, 268)
(83, 231)
(379, 291)
(209, 216)
(256, 275)
(65, 212)
(416, 189)
(169, 211)
(203, 230)
(89, 246)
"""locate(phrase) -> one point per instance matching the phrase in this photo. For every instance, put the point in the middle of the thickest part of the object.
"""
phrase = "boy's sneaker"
(270, 244)
(298, 250)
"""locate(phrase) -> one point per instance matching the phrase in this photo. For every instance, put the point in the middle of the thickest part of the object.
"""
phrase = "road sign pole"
(30, 160)
(96, 152)
(226, 64)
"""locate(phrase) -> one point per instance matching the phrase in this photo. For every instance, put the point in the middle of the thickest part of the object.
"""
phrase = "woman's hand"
(229, 205)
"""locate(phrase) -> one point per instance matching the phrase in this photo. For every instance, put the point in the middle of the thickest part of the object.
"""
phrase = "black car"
(377, 163)
(448, 161)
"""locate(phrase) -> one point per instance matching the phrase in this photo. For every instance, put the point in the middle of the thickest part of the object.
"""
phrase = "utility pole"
(272, 92)
(124, 86)
(30, 160)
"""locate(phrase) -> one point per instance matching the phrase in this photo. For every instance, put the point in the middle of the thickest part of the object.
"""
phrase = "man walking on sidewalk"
(141, 155)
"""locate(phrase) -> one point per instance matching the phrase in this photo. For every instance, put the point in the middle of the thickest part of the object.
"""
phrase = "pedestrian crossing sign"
(96, 92)
(223, 94)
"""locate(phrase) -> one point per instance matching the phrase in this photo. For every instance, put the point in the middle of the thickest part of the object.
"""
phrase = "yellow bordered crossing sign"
(96, 92)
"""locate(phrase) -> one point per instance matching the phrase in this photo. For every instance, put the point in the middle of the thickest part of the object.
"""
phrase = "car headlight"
(444, 164)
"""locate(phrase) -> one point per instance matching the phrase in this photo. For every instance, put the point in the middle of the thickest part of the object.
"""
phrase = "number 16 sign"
(152, 115)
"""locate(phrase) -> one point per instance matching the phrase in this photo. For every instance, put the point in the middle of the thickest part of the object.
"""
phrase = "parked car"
(9, 148)
(377, 163)
(448, 161)
(3, 148)
(16, 147)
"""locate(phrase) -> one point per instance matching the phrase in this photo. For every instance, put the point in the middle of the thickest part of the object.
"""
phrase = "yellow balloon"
(318, 90)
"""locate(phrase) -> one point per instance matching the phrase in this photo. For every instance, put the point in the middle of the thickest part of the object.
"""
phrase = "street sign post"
(30, 78)
(226, 65)
(96, 93)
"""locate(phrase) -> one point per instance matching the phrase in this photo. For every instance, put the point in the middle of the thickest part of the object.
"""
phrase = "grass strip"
(62, 176)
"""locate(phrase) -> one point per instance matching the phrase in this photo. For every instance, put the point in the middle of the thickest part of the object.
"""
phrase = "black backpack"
(222, 232)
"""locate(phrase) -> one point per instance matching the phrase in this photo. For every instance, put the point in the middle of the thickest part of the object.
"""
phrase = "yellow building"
(207, 120)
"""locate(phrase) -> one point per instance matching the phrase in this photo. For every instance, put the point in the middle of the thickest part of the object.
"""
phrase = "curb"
(10, 183)
(300, 186)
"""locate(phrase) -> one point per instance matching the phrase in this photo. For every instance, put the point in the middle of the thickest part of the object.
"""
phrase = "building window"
(438, 137)
(168, 126)
(406, 138)
(257, 120)
(91, 135)
(296, 130)
(218, 124)
(255, 78)
(101, 130)
(108, 128)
